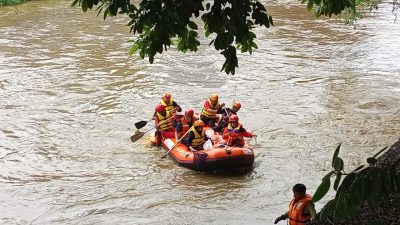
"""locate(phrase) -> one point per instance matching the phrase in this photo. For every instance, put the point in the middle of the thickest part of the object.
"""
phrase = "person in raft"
(210, 110)
(223, 123)
(234, 133)
(196, 137)
(170, 105)
(163, 123)
(185, 122)
(301, 208)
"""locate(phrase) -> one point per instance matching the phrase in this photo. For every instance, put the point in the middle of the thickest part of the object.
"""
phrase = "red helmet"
(189, 112)
(236, 104)
(234, 118)
(160, 108)
(166, 96)
(198, 123)
(214, 97)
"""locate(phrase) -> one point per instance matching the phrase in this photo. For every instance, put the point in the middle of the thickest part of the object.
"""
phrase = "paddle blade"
(140, 124)
(137, 136)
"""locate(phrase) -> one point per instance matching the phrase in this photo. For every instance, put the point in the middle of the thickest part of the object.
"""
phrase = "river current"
(70, 95)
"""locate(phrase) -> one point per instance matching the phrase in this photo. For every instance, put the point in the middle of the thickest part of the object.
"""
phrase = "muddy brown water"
(70, 95)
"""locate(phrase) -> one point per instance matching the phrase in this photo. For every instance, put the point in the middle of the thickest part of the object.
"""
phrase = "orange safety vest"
(168, 106)
(207, 114)
(236, 130)
(198, 138)
(296, 211)
(167, 125)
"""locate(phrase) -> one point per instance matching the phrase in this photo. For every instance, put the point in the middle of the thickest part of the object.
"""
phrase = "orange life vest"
(169, 106)
(207, 114)
(235, 141)
(234, 130)
(296, 211)
(167, 125)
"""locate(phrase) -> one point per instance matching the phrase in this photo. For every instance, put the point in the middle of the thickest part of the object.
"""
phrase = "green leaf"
(192, 25)
(358, 168)
(335, 154)
(328, 175)
(347, 181)
(84, 5)
(254, 45)
(270, 20)
(132, 50)
(374, 186)
(322, 190)
(310, 5)
(327, 209)
(341, 206)
(378, 181)
(358, 190)
(338, 164)
(337, 181)
(379, 152)
(371, 161)
(74, 3)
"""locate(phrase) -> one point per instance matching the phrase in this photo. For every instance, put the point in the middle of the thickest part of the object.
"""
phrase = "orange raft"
(219, 157)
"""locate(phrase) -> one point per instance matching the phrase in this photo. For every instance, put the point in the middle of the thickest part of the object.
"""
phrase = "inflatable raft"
(218, 157)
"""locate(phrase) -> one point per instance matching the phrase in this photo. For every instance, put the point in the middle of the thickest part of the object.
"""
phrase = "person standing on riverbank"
(301, 208)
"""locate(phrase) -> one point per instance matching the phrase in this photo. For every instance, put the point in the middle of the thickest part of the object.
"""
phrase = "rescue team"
(171, 125)
(189, 127)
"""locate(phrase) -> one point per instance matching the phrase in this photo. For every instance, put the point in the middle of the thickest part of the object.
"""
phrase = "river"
(70, 95)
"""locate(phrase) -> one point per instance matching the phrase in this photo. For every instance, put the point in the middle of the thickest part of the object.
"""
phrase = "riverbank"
(11, 2)
(387, 213)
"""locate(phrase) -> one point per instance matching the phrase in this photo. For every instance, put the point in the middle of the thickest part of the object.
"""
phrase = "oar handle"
(227, 114)
(165, 155)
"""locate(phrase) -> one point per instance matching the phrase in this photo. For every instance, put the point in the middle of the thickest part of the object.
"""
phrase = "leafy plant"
(228, 22)
(371, 184)
(157, 22)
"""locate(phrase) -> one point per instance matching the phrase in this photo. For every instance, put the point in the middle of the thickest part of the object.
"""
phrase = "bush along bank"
(369, 195)
(11, 2)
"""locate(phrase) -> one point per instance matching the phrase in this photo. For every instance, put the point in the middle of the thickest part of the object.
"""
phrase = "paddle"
(227, 114)
(138, 134)
(180, 139)
(142, 123)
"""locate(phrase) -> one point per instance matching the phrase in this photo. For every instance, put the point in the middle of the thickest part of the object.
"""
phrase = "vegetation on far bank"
(11, 2)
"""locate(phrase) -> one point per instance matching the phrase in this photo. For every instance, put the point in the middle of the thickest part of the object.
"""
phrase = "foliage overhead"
(229, 22)
(158, 21)
(369, 184)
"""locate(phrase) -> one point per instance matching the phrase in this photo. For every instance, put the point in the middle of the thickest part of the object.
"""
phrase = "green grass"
(11, 2)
